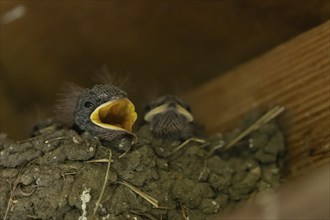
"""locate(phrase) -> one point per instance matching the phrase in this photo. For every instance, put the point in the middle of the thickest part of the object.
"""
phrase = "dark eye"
(88, 104)
(147, 108)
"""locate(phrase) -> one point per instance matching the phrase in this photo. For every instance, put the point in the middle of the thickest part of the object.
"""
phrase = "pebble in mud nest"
(103, 110)
(170, 118)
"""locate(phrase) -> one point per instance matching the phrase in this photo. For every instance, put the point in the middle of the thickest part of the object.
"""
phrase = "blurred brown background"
(165, 46)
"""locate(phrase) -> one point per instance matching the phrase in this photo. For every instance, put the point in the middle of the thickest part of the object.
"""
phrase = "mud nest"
(59, 174)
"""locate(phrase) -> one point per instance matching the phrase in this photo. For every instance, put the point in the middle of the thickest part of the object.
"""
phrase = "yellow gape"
(116, 115)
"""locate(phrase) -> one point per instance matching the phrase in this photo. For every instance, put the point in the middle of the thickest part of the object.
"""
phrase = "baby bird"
(169, 118)
(103, 110)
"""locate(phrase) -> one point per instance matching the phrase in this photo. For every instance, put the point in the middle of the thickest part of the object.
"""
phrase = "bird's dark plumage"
(103, 110)
(169, 117)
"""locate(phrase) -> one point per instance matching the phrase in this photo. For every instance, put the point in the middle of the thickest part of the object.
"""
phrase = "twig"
(123, 154)
(188, 141)
(263, 120)
(74, 171)
(183, 212)
(19, 188)
(104, 184)
(104, 160)
(203, 171)
(12, 194)
(142, 214)
(145, 196)
(33, 216)
(29, 139)
(165, 207)
(54, 139)
(220, 145)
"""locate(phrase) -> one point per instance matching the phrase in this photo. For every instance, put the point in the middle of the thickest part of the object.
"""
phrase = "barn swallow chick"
(103, 110)
(169, 118)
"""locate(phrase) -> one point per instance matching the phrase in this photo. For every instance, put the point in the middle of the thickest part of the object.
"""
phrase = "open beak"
(116, 115)
(164, 108)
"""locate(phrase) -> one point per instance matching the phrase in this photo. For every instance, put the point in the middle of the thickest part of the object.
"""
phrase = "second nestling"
(103, 110)
(170, 118)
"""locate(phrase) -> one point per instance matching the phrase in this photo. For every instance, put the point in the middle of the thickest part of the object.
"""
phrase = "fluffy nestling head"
(169, 117)
(103, 110)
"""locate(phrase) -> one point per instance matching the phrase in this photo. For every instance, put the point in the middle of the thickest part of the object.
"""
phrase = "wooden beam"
(296, 75)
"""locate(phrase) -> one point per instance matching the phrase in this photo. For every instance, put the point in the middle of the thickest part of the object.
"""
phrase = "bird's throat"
(115, 115)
